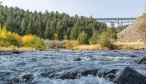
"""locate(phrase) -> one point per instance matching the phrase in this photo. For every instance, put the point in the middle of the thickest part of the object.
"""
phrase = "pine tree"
(23, 26)
(48, 30)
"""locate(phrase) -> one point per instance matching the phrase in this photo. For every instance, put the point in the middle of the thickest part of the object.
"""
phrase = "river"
(66, 66)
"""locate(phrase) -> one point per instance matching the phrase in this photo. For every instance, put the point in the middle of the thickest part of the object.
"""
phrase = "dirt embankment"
(132, 33)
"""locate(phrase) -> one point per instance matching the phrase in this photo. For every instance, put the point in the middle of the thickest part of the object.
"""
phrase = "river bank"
(117, 46)
(74, 45)
(15, 50)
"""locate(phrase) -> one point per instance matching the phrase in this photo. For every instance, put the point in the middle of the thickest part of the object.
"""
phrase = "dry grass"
(63, 44)
(16, 48)
(118, 45)
(74, 45)
(129, 45)
(87, 47)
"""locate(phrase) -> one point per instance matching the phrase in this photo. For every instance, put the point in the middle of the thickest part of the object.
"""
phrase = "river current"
(51, 67)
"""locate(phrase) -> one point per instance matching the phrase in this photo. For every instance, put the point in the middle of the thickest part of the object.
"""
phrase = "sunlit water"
(47, 66)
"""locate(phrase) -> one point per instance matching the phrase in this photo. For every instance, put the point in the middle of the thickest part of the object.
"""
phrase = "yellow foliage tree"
(8, 38)
(33, 42)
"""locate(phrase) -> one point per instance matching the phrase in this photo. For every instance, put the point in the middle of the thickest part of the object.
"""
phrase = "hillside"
(48, 25)
(132, 32)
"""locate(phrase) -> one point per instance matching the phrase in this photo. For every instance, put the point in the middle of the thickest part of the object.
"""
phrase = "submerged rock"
(14, 80)
(142, 61)
(77, 59)
(132, 55)
(130, 76)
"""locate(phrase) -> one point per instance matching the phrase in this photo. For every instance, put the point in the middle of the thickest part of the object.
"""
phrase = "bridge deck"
(115, 18)
(118, 21)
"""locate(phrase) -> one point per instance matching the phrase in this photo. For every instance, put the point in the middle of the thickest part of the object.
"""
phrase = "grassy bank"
(16, 48)
(117, 45)
(129, 45)
(87, 47)
(68, 44)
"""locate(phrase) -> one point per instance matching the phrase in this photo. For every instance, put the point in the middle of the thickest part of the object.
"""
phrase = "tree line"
(49, 25)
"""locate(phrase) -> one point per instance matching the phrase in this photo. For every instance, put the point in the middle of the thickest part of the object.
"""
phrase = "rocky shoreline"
(11, 52)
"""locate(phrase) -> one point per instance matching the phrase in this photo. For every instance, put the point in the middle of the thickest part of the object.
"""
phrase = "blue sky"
(96, 8)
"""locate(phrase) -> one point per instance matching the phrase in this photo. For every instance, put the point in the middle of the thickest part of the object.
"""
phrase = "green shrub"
(83, 38)
(94, 39)
(112, 33)
(105, 41)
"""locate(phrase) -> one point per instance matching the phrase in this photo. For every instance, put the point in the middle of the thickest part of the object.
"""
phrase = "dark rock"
(142, 61)
(68, 75)
(108, 74)
(16, 52)
(75, 74)
(132, 55)
(130, 76)
(77, 59)
(10, 52)
(28, 77)
(89, 71)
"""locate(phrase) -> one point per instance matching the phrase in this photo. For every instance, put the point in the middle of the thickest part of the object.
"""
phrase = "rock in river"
(28, 77)
(142, 61)
(130, 76)
(77, 59)
(76, 74)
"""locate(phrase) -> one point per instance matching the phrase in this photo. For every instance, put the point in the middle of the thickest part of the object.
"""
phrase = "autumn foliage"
(32, 41)
(8, 39)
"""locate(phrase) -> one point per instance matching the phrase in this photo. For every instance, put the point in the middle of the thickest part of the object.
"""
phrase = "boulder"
(110, 74)
(28, 77)
(142, 61)
(76, 74)
(130, 76)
